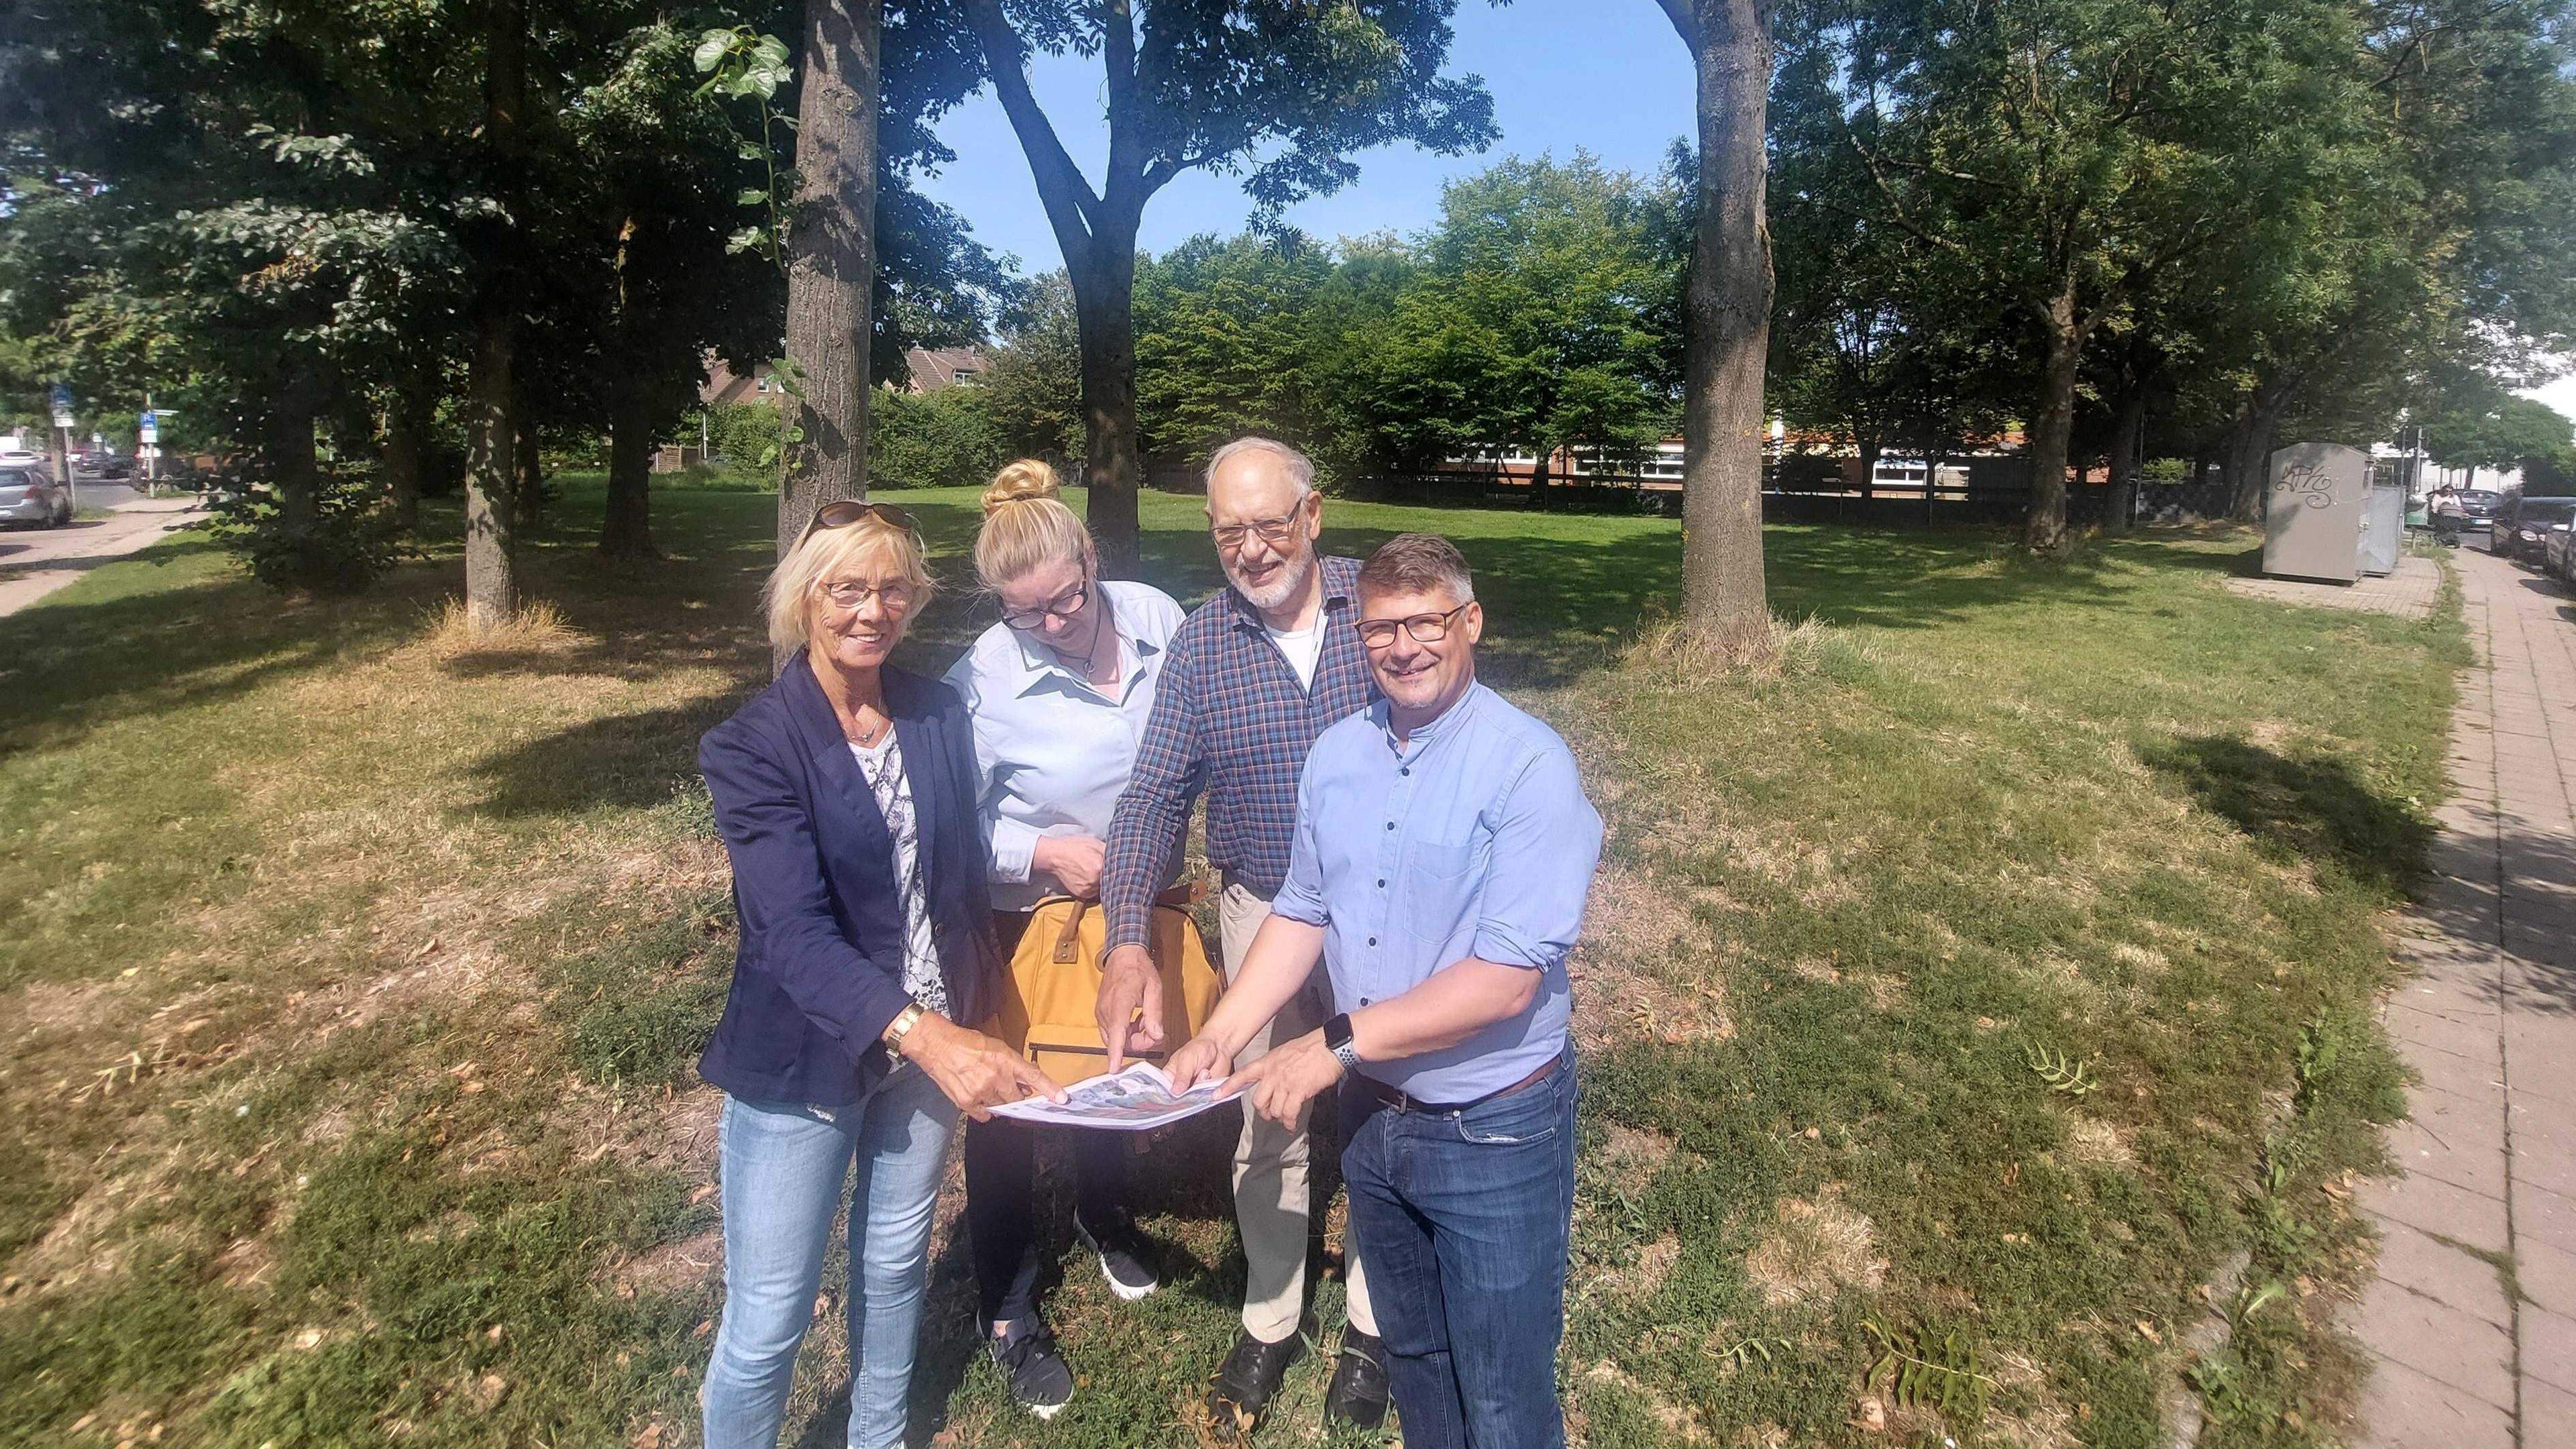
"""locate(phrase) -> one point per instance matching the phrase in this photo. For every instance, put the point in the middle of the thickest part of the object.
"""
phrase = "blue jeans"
(782, 1168)
(1463, 1218)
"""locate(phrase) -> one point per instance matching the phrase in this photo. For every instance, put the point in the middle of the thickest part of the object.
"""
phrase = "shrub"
(745, 436)
(2165, 470)
(940, 439)
(352, 540)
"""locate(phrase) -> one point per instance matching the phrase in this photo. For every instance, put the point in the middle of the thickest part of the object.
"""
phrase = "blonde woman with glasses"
(846, 795)
(1058, 691)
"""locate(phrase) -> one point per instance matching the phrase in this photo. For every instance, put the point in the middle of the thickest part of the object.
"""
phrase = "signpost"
(147, 437)
(63, 441)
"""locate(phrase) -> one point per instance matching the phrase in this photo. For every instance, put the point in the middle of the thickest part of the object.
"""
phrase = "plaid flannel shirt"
(1231, 722)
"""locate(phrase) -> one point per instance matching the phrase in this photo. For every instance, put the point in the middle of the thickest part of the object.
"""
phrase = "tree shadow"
(2315, 808)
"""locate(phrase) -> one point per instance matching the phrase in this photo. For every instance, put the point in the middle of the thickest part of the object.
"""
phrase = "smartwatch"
(1337, 1040)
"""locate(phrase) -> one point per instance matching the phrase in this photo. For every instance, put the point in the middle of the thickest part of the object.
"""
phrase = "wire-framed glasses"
(1424, 628)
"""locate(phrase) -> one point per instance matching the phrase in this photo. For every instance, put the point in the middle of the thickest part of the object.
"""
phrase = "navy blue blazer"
(820, 971)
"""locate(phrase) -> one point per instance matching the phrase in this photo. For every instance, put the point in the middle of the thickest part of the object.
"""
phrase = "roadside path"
(35, 562)
(2486, 1198)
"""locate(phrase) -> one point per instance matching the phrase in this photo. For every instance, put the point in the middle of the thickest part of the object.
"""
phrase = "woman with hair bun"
(1058, 693)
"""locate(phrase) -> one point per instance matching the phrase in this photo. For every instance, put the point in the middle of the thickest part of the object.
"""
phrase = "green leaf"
(751, 150)
(750, 196)
(711, 50)
(770, 51)
(746, 238)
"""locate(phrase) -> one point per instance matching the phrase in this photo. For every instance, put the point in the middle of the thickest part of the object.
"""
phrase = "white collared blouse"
(1053, 754)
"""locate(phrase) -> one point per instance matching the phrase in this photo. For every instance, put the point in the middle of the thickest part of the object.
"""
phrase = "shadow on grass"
(2315, 808)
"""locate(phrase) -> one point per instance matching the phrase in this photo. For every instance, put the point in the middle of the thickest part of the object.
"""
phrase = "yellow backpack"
(1049, 1001)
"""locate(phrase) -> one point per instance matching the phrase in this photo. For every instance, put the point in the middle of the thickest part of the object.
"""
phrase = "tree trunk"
(2128, 438)
(831, 262)
(491, 564)
(626, 530)
(1104, 288)
(1727, 323)
(528, 495)
(1871, 450)
(287, 453)
(1544, 455)
(408, 420)
(2051, 425)
(2249, 451)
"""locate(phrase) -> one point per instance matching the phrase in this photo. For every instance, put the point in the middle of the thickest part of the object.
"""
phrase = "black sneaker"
(1248, 1381)
(1359, 1392)
(1123, 1260)
(1025, 1352)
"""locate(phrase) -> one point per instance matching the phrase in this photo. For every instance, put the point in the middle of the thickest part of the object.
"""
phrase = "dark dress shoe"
(1359, 1392)
(1248, 1381)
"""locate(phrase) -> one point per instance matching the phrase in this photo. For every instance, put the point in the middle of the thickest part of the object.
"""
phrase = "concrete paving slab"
(2422, 1201)
(2459, 1350)
(2545, 1216)
(2476, 1040)
(2547, 1275)
(2405, 1409)
(2548, 1417)
(2549, 1348)
(2446, 1273)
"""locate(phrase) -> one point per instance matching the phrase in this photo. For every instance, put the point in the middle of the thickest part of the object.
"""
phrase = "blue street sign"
(149, 427)
(62, 397)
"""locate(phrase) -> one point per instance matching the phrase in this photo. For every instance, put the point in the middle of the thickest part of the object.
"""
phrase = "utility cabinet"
(2315, 512)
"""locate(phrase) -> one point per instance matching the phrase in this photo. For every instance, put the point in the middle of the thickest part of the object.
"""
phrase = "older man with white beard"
(1251, 678)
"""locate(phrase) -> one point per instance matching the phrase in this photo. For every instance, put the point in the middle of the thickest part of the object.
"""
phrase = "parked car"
(2522, 526)
(21, 458)
(27, 496)
(2557, 557)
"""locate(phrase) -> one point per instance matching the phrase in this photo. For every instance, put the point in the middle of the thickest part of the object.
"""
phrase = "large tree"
(1727, 325)
(1280, 89)
(2064, 154)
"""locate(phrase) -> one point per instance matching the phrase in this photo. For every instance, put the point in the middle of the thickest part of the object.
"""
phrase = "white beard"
(1292, 577)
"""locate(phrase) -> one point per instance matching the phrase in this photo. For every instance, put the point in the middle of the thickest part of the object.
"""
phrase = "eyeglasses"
(842, 512)
(850, 594)
(1230, 536)
(1425, 628)
(1064, 606)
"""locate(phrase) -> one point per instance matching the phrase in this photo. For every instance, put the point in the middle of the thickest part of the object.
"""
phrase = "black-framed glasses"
(1425, 628)
(842, 512)
(1230, 536)
(1063, 606)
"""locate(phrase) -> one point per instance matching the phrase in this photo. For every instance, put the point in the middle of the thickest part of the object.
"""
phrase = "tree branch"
(1685, 22)
(1070, 206)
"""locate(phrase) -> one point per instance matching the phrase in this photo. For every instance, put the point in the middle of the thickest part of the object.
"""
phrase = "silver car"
(29, 497)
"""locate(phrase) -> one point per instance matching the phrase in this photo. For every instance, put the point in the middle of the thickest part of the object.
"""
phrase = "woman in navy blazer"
(846, 794)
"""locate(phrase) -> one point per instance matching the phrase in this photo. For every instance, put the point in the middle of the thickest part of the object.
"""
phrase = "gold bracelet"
(902, 1025)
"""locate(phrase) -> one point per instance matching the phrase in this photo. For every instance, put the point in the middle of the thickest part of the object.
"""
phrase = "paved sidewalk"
(2487, 1195)
(35, 562)
(2409, 593)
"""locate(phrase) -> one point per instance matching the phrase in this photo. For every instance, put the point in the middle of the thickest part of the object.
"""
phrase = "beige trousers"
(1271, 1194)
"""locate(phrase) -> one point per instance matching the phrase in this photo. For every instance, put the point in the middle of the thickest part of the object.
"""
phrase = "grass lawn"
(1959, 997)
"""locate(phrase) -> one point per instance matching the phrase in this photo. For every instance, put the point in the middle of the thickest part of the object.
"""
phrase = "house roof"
(936, 367)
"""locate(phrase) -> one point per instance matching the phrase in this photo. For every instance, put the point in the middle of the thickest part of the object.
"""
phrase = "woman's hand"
(1199, 1058)
(973, 1070)
(1074, 860)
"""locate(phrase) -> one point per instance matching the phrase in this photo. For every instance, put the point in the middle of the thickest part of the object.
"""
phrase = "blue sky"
(1605, 75)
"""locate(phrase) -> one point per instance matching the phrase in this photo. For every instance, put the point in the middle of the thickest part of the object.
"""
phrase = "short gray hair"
(1301, 469)
(1417, 563)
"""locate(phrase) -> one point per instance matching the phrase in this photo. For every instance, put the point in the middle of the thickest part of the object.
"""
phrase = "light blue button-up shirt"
(1052, 754)
(1473, 838)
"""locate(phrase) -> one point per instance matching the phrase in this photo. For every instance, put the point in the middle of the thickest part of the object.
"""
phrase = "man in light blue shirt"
(1443, 854)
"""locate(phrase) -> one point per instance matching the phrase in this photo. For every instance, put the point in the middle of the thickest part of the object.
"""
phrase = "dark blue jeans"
(1462, 1218)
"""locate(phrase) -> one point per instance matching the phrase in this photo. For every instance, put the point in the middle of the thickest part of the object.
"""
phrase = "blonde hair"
(1027, 526)
(788, 598)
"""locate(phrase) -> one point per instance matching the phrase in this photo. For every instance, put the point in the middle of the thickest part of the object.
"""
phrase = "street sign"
(62, 397)
(148, 452)
(149, 428)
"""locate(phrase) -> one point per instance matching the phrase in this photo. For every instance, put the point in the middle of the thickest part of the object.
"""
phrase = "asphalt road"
(36, 561)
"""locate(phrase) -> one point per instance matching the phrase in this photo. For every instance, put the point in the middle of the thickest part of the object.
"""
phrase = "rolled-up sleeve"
(788, 929)
(1547, 841)
(1301, 895)
(1152, 811)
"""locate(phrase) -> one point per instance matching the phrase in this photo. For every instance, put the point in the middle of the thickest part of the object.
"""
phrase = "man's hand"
(973, 1070)
(1074, 860)
(1199, 1058)
(1129, 985)
(1288, 1077)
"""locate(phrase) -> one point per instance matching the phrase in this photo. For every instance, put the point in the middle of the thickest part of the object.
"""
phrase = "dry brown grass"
(1817, 1247)
(537, 628)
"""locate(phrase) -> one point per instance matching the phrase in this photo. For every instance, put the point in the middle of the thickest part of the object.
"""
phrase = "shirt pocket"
(1439, 888)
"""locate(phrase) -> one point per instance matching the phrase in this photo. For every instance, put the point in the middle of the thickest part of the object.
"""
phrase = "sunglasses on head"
(842, 512)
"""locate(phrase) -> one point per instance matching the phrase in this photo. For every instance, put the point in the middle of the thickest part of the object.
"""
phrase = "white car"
(21, 458)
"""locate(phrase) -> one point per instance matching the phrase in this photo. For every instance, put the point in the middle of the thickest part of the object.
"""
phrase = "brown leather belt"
(1403, 1103)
